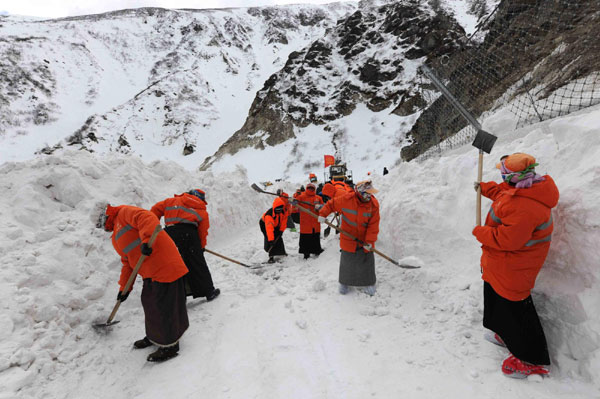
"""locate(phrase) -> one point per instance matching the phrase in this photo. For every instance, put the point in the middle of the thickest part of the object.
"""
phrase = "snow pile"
(429, 210)
(58, 272)
(284, 331)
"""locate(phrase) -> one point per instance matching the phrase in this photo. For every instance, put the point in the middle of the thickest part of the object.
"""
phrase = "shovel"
(232, 260)
(110, 322)
(484, 141)
(360, 242)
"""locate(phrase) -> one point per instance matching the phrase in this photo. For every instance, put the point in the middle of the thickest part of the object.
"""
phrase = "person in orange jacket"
(360, 217)
(163, 292)
(295, 211)
(272, 224)
(515, 241)
(187, 223)
(310, 228)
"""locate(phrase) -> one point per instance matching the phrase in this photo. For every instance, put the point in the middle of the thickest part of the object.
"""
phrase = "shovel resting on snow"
(110, 322)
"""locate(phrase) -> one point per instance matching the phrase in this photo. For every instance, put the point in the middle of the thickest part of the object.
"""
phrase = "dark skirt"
(278, 247)
(290, 222)
(198, 282)
(310, 244)
(165, 311)
(518, 324)
(296, 217)
(357, 269)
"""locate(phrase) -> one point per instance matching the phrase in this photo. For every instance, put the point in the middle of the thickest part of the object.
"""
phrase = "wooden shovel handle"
(479, 177)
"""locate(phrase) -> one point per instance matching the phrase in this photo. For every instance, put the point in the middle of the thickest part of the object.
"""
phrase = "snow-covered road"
(284, 331)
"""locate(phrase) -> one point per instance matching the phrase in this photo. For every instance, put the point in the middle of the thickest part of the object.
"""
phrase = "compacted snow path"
(284, 331)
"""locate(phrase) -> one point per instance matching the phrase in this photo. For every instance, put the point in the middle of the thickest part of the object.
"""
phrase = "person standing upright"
(360, 217)
(310, 228)
(515, 241)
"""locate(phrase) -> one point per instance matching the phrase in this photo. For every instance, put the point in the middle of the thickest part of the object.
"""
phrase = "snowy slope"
(286, 332)
(148, 81)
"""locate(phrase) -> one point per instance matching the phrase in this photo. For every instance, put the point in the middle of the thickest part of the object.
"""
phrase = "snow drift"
(288, 333)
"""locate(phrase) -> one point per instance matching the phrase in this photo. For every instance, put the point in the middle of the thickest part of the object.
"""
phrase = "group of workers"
(515, 241)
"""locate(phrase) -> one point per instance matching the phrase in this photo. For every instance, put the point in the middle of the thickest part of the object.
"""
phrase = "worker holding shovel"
(515, 241)
(272, 224)
(135, 236)
(359, 211)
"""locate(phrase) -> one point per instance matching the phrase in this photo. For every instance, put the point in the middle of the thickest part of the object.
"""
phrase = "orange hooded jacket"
(361, 219)
(516, 236)
(276, 220)
(132, 226)
(342, 188)
(308, 223)
(184, 208)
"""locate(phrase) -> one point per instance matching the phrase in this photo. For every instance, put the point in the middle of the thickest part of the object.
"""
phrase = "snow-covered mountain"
(153, 82)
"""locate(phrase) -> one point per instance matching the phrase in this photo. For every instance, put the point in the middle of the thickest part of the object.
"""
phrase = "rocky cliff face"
(369, 57)
(537, 50)
(175, 81)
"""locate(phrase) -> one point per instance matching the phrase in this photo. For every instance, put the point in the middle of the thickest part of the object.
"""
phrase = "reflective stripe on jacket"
(361, 219)
(184, 208)
(134, 226)
(516, 236)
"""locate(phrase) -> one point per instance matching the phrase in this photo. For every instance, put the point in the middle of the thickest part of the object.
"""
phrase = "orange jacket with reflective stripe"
(131, 227)
(276, 220)
(184, 208)
(516, 236)
(361, 219)
(309, 224)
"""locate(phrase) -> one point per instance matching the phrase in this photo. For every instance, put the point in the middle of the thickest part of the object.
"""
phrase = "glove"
(476, 185)
(270, 244)
(279, 191)
(146, 250)
(321, 219)
(318, 207)
(368, 247)
(122, 297)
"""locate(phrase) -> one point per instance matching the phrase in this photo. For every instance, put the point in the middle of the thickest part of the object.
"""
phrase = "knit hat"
(198, 193)
(519, 169)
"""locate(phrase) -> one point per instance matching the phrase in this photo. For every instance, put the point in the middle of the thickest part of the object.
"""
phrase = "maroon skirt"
(165, 311)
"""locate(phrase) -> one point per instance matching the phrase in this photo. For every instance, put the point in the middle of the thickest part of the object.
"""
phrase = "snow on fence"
(539, 59)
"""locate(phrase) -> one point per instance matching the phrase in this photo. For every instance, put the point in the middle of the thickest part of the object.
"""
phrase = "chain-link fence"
(540, 58)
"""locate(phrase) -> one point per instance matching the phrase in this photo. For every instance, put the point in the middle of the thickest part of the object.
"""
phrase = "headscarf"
(523, 178)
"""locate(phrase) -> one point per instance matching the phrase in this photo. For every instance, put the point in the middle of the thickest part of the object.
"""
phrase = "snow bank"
(428, 210)
(58, 272)
(288, 333)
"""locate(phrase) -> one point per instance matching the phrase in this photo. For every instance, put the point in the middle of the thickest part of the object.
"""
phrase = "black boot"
(213, 295)
(306, 255)
(142, 343)
(164, 353)
(271, 260)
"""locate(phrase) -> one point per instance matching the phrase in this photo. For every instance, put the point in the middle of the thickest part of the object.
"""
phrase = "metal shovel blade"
(105, 325)
(484, 141)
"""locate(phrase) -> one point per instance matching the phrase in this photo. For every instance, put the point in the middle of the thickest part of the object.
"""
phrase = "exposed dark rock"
(188, 149)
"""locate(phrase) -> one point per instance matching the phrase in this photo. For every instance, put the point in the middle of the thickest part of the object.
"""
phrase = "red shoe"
(515, 368)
